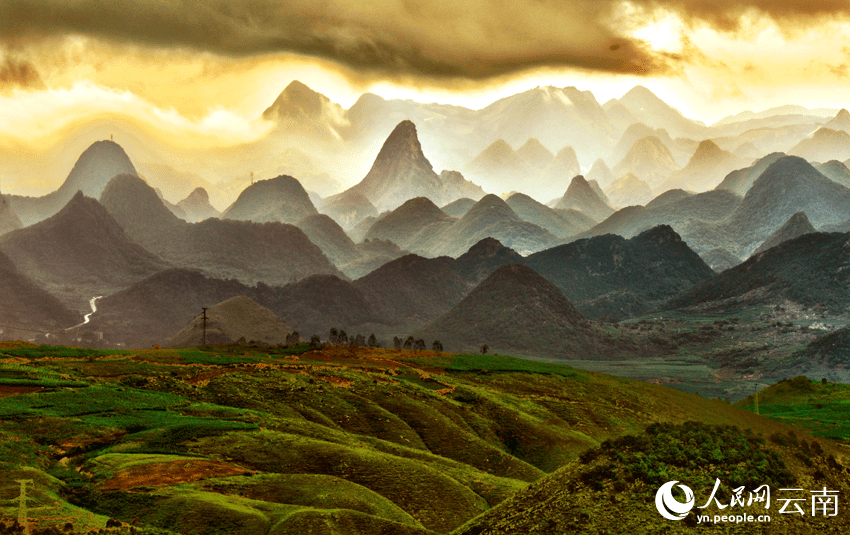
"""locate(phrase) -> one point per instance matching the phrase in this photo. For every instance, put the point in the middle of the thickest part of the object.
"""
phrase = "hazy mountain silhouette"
(484, 258)
(517, 311)
(348, 208)
(280, 199)
(676, 208)
(639, 131)
(555, 221)
(459, 207)
(413, 226)
(648, 159)
(669, 196)
(600, 172)
(500, 168)
(227, 322)
(9, 220)
(788, 185)
(797, 225)
(580, 196)
(93, 170)
(632, 276)
(197, 206)
(705, 170)
(275, 253)
(647, 108)
(809, 270)
(720, 259)
(629, 190)
(835, 171)
(79, 252)
(412, 290)
(149, 311)
(491, 217)
(562, 169)
(541, 113)
(308, 113)
(840, 122)
(535, 155)
(27, 306)
(741, 180)
(331, 239)
(824, 145)
(401, 171)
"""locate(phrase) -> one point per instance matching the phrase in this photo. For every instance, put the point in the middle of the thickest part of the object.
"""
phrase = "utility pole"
(204, 339)
(22, 508)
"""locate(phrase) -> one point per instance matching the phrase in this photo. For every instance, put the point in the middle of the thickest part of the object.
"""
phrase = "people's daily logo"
(793, 501)
(671, 508)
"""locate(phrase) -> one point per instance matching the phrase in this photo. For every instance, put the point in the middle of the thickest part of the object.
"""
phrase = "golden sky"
(198, 73)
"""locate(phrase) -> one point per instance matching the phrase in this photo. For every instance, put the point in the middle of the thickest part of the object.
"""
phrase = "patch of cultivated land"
(296, 440)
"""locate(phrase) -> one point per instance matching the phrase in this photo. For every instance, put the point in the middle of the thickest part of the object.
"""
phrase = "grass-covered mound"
(612, 488)
(348, 440)
(822, 408)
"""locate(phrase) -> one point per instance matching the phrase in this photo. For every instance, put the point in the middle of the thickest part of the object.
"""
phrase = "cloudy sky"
(200, 72)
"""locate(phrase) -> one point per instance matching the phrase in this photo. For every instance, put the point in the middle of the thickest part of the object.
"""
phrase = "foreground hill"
(231, 320)
(79, 252)
(92, 171)
(629, 472)
(346, 440)
(611, 276)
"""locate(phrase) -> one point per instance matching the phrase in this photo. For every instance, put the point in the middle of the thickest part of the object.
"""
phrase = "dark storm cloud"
(470, 39)
(18, 74)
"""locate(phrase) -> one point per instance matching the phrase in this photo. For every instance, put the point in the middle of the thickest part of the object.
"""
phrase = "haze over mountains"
(404, 244)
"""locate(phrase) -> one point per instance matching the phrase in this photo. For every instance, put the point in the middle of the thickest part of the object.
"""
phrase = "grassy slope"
(288, 441)
(820, 408)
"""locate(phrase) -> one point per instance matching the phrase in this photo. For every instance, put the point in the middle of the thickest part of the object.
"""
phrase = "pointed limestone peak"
(402, 143)
(706, 150)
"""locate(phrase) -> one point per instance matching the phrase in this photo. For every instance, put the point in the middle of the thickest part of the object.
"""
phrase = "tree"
(315, 341)
(437, 346)
(408, 344)
(333, 337)
(484, 349)
(420, 345)
(373, 342)
(396, 342)
(360, 341)
(342, 338)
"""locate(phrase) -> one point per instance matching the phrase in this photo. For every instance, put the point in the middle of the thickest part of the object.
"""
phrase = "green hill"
(356, 441)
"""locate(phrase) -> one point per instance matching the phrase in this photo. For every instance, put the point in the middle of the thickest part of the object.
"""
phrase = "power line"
(204, 337)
